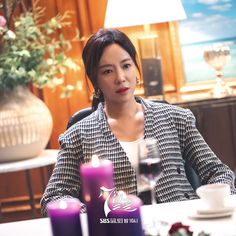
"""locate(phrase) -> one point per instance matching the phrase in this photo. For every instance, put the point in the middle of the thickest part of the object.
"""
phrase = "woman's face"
(116, 74)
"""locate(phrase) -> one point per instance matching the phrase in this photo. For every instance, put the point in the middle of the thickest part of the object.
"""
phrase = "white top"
(164, 215)
(131, 150)
(47, 157)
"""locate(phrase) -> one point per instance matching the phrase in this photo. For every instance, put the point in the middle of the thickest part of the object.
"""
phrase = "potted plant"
(31, 52)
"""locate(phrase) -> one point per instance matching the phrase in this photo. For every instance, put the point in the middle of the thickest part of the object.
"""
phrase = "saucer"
(215, 210)
(212, 213)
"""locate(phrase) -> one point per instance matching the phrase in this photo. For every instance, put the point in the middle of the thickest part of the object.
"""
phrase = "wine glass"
(217, 56)
(150, 166)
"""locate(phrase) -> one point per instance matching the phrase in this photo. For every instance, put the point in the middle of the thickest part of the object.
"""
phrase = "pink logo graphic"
(115, 200)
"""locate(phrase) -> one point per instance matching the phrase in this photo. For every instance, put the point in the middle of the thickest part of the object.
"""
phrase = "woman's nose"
(120, 76)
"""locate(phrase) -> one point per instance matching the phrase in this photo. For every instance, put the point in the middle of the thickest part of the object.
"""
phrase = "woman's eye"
(127, 65)
(107, 71)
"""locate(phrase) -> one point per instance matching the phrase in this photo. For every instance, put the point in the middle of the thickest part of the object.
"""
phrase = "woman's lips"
(122, 90)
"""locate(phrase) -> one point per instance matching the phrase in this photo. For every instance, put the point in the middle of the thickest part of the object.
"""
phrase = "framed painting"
(208, 23)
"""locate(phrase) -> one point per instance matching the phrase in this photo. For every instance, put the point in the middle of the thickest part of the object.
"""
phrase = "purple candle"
(96, 176)
(124, 215)
(65, 217)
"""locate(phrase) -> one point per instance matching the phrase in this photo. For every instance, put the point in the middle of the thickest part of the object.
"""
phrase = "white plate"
(210, 215)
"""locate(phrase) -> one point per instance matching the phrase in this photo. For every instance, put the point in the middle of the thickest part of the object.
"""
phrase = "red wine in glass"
(150, 167)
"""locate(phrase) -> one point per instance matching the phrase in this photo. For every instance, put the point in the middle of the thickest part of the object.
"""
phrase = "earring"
(97, 93)
(137, 81)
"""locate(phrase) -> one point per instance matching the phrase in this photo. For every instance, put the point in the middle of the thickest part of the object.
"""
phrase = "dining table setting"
(110, 212)
(156, 220)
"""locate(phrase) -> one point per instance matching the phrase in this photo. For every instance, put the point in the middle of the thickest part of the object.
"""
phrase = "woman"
(121, 120)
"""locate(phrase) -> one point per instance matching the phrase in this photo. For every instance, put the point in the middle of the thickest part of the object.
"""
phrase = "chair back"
(79, 115)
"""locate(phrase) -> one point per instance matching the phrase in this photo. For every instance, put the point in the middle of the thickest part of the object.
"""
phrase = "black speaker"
(152, 76)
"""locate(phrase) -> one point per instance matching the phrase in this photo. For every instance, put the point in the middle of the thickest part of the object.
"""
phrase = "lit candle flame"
(87, 198)
(95, 161)
(62, 205)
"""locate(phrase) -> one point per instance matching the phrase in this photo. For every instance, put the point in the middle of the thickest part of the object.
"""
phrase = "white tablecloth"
(180, 212)
(165, 214)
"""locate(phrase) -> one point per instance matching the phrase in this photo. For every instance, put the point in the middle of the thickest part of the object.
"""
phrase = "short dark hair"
(95, 46)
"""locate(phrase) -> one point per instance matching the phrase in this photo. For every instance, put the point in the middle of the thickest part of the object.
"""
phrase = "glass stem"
(153, 192)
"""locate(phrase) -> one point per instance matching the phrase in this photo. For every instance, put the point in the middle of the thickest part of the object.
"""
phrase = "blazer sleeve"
(204, 161)
(65, 180)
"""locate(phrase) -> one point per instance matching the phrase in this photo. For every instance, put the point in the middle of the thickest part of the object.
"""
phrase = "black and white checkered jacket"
(178, 140)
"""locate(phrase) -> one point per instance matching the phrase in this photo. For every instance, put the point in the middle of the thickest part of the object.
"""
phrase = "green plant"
(34, 52)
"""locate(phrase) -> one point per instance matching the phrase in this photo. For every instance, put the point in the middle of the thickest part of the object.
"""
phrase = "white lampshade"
(123, 13)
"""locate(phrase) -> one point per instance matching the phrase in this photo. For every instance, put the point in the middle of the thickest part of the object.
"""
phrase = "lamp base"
(151, 65)
(148, 46)
(152, 76)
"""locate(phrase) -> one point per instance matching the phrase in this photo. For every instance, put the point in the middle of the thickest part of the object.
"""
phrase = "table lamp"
(123, 13)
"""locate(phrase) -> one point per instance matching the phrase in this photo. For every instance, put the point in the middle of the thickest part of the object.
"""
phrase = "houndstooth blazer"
(178, 140)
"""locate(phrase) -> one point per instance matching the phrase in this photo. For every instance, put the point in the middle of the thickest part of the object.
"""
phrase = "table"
(46, 158)
(165, 212)
(180, 211)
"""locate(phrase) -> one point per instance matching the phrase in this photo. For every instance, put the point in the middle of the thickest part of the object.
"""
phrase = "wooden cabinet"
(216, 121)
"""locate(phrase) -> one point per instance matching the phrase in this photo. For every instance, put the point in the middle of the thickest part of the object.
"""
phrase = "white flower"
(55, 82)
(49, 61)
(79, 85)
(67, 91)
(11, 34)
(69, 87)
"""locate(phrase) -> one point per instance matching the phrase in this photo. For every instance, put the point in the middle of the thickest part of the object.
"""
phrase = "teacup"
(214, 195)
